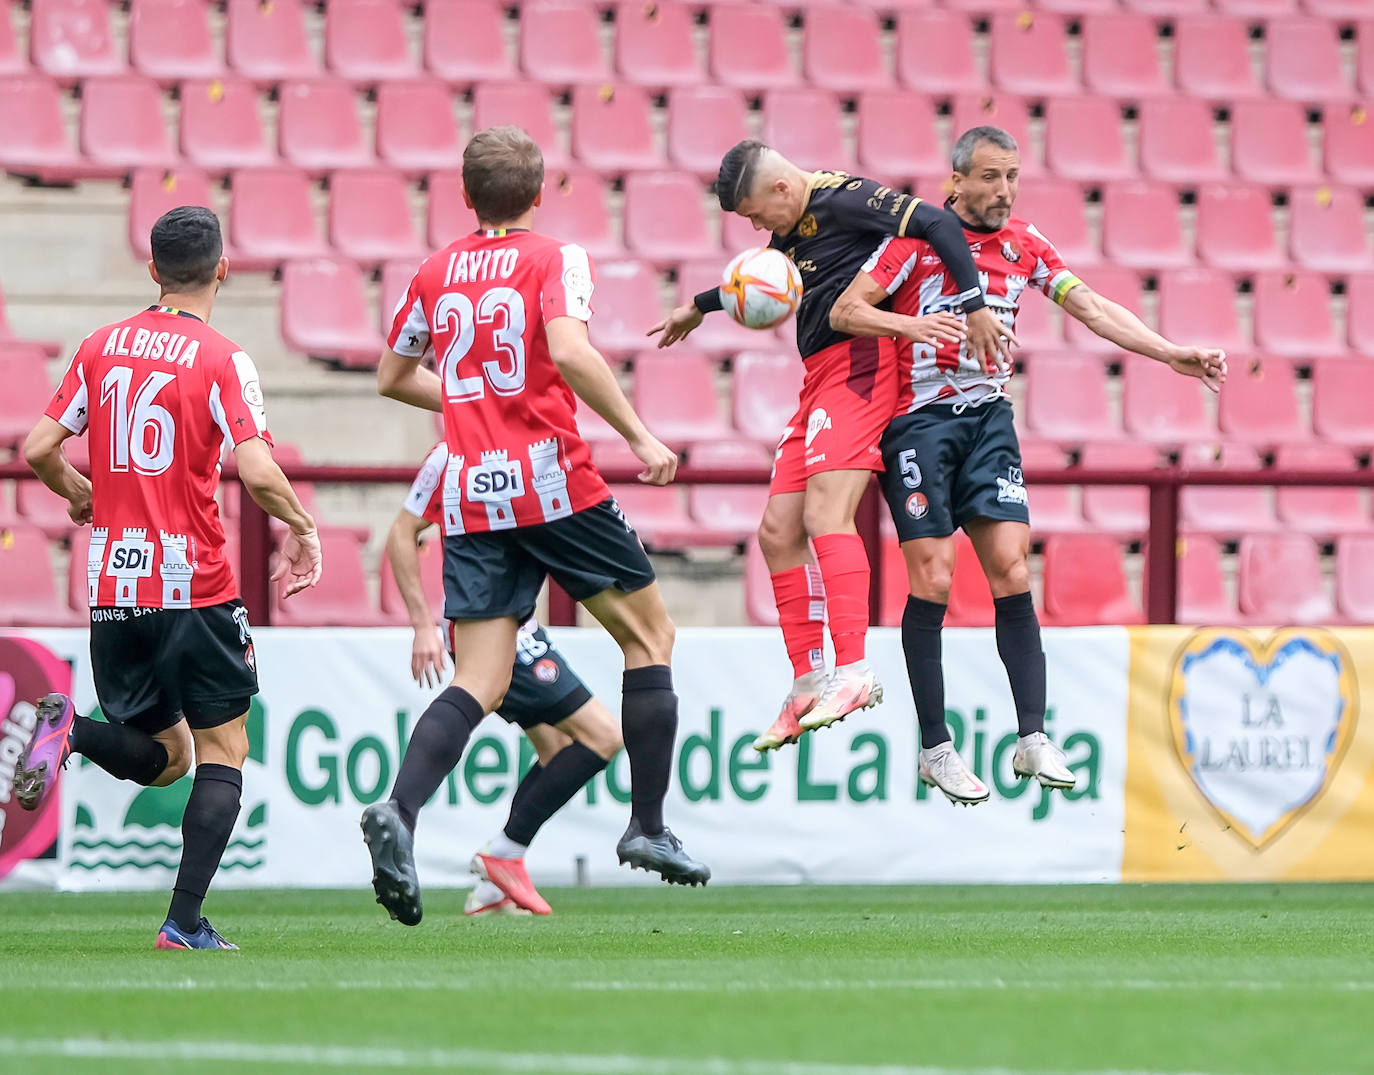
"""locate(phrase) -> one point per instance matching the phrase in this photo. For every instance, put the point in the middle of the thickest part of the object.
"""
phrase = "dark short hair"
(187, 246)
(735, 179)
(503, 171)
(961, 155)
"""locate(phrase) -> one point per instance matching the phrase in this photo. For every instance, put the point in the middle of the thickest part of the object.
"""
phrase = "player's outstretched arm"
(588, 375)
(45, 457)
(1115, 323)
(427, 658)
(299, 564)
(403, 378)
(856, 313)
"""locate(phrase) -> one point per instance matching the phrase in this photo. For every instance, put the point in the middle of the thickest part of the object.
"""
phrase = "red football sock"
(844, 567)
(800, 597)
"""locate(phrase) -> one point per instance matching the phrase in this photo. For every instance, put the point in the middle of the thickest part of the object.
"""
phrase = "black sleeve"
(945, 233)
(708, 300)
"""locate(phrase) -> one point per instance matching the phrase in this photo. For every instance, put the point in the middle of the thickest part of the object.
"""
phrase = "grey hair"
(961, 156)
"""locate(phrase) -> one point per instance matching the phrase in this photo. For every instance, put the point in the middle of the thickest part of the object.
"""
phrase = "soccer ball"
(761, 288)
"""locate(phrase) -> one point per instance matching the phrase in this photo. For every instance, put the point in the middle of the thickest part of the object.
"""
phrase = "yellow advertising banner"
(1250, 755)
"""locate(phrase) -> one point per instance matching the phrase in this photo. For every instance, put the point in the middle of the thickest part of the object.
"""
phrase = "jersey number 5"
(141, 431)
(503, 309)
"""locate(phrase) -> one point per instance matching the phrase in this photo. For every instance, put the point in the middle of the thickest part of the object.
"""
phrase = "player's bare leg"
(832, 499)
(648, 718)
(1003, 549)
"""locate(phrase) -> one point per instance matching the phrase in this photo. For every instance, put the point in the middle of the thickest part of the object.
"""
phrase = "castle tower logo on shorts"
(1261, 726)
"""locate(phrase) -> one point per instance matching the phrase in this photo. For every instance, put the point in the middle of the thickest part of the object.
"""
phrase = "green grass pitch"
(1222, 979)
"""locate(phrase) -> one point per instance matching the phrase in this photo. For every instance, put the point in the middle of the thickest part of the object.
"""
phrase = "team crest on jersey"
(917, 505)
(546, 671)
(1011, 251)
(807, 226)
(252, 394)
(818, 422)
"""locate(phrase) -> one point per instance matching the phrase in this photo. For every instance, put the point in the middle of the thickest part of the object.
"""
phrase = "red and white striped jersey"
(515, 455)
(1009, 260)
(161, 394)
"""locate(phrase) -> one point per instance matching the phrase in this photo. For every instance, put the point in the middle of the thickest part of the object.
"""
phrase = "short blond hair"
(503, 171)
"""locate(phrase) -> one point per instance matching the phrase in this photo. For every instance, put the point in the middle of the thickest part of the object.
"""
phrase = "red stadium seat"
(318, 127)
(1323, 511)
(897, 136)
(1199, 306)
(1029, 55)
(33, 133)
(560, 43)
(703, 123)
(1212, 59)
(748, 48)
(935, 54)
(1280, 580)
(416, 128)
(970, 600)
(1292, 315)
(1162, 407)
(1336, 9)
(221, 128)
(1259, 404)
(1235, 228)
(341, 599)
(729, 513)
(1359, 314)
(842, 50)
(446, 217)
(1122, 510)
(627, 302)
(1039, 324)
(170, 40)
(396, 277)
(1054, 509)
(655, 45)
(1327, 231)
(268, 43)
(1012, 114)
(1176, 141)
(1355, 577)
(1162, 7)
(324, 312)
(1055, 207)
(612, 131)
(1364, 57)
(675, 394)
(1202, 594)
(1256, 9)
(1083, 139)
(1269, 143)
(12, 61)
(23, 372)
(1085, 582)
(718, 334)
(1119, 284)
(1225, 510)
(737, 453)
(1120, 57)
(393, 606)
(122, 126)
(369, 217)
(1348, 144)
(1078, 7)
(1066, 399)
(660, 518)
(272, 218)
(759, 606)
(39, 507)
(465, 42)
(574, 209)
(524, 105)
(805, 127)
(1341, 390)
(664, 221)
(72, 40)
(153, 192)
(1141, 227)
(365, 41)
(1304, 61)
(28, 590)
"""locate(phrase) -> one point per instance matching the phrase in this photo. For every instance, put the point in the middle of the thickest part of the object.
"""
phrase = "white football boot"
(851, 687)
(941, 767)
(805, 693)
(1036, 756)
(486, 899)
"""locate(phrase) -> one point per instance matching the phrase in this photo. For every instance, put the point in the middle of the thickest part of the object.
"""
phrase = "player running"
(506, 311)
(573, 735)
(162, 394)
(951, 455)
(827, 223)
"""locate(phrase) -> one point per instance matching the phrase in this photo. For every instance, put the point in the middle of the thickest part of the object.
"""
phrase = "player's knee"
(656, 640)
(178, 765)
(824, 516)
(930, 574)
(1009, 575)
(779, 538)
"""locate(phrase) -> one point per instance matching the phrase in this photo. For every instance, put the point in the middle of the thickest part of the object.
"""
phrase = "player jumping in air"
(827, 223)
(951, 454)
(573, 735)
(162, 394)
(506, 311)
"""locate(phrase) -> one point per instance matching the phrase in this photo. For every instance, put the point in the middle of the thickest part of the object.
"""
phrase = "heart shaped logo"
(1261, 726)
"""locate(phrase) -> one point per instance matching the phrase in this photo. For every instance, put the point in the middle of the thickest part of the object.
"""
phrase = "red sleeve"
(69, 404)
(567, 284)
(1049, 273)
(425, 498)
(894, 261)
(236, 400)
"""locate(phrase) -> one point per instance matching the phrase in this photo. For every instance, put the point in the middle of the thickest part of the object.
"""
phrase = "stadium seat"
(970, 599)
(417, 131)
(703, 123)
(1336, 9)
(1202, 593)
(719, 335)
(1141, 227)
(1010, 113)
(152, 192)
(1341, 390)
(1199, 306)
(1176, 142)
(369, 217)
(1256, 9)
(272, 218)
(28, 590)
(1212, 58)
(23, 371)
(1304, 61)
(1224, 509)
(612, 129)
(627, 302)
(659, 516)
(396, 277)
(935, 54)
(1235, 228)
(655, 45)
(1355, 577)
(594, 429)
(676, 396)
(748, 48)
(524, 105)
(33, 133)
(560, 43)
(1259, 404)
(38, 506)
(1055, 207)
(365, 41)
(1359, 314)
(1085, 582)
(170, 40)
(1292, 314)
(465, 42)
(1120, 57)
(318, 127)
(759, 607)
(1269, 143)
(1348, 144)
(805, 127)
(12, 60)
(268, 43)
(1119, 284)
(1029, 54)
(574, 209)
(1323, 511)
(1122, 510)
(897, 137)
(1163, 7)
(1162, 407)
(221, 127)
(431, 555)
(1280, 580)
(1054, 509)
(1327, 230)
(71, 40)
(1066, 399)
(341, 598)
(842, 50)
(1039, 324)
(664, 222)
(122, 127)
(1364, 57)
(324, 313)
(728, 513)
(1083, 139)
(446, 217)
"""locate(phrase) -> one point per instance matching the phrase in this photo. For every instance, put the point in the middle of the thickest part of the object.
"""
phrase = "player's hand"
(990, 341)
(935, 329)
(79, 502)
(427, 657)
(678, 325)
(1207, 364)
(299, 563)
(660, 462)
